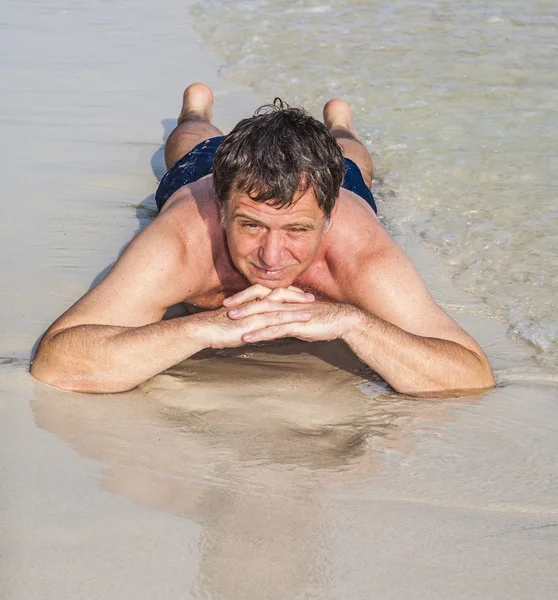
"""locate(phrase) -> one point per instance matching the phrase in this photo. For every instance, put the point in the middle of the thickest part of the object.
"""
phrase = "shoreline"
(274, 472)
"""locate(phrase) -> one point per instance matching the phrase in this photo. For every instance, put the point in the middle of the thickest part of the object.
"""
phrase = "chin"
(271, 283)
(284, 280)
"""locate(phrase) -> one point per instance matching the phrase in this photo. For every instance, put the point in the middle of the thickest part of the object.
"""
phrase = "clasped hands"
(259, 313)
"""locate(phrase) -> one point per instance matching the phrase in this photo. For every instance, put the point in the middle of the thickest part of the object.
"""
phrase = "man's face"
(273, 246)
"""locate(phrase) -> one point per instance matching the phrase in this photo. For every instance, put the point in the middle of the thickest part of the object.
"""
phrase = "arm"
(405, 336)
(418, 365)
(108, 359)
(392, 323)
(113, 338)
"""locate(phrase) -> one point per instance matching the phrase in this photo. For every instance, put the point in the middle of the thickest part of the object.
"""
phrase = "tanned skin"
(250, 272)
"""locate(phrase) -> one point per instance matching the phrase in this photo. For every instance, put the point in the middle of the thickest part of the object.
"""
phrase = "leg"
(338, 118)
(194, 124)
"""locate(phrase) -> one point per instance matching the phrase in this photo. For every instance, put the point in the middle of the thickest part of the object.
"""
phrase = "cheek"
(242, 245)
(304, 248)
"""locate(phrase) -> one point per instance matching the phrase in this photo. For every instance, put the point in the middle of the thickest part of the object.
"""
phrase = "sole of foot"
(338, 115)
(197, 102)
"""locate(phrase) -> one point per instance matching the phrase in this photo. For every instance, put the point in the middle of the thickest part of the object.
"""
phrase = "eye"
(298, 230)
(249, 226)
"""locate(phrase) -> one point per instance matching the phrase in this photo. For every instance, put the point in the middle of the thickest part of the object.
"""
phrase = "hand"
(215, 329)
(259, 292)
(328, 320)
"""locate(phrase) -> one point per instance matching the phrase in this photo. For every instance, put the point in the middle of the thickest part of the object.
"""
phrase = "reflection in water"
(252, 445)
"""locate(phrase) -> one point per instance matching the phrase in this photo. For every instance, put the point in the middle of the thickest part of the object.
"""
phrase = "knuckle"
(255, 319)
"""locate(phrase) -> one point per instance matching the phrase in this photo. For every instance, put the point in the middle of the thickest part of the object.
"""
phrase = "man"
(268, 246)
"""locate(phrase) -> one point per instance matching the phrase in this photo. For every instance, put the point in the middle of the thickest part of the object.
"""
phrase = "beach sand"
(275, 471)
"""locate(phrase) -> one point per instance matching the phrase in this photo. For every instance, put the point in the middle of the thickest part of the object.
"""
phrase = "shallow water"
(275, 471)
(456, 103)
(280, 473)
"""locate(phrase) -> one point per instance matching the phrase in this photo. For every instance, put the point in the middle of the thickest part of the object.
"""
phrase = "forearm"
(417, 365)
(107, 359)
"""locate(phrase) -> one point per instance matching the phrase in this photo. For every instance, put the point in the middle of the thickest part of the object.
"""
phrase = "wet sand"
(276, 471)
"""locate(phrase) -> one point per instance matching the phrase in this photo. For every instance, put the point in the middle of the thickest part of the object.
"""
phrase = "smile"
(270, 273)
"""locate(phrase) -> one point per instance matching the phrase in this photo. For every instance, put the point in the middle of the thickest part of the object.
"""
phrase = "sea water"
(456, 103)
(265, 472)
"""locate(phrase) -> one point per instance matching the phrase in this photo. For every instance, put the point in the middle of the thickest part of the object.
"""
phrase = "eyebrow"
(302, 225)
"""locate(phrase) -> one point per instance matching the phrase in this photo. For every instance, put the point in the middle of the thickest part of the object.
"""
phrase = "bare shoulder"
(159, 268)
(376, 275)
(356, 238)
(192, 212)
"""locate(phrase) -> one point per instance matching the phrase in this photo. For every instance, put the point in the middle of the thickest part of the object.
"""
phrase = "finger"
(277, 318)
(290, 295)
(273, 332)
(254, 292)
(262, 307)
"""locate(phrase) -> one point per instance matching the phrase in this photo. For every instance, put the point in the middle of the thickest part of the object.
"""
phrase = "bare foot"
(197, 103)
(339, 116)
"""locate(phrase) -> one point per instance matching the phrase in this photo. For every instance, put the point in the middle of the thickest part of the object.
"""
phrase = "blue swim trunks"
(199, 162)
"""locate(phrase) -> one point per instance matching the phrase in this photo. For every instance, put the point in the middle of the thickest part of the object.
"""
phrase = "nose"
(270, 249)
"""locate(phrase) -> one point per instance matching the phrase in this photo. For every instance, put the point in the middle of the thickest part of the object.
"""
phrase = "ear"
(223, 219)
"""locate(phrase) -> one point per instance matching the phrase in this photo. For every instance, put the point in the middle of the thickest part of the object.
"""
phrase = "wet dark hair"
(275, 154)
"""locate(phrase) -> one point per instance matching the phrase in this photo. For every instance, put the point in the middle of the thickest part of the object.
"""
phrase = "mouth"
(270, 274)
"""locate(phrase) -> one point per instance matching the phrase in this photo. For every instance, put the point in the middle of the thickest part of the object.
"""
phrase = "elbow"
(43, 368)
(54, 374)
(50, 373)
(479, 377)
(57, 365)
(49, 367)
(467, 383)
(446, 391)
